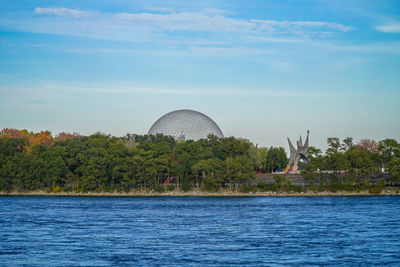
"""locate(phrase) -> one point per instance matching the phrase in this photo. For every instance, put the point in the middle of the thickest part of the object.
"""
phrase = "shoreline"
(200, 193)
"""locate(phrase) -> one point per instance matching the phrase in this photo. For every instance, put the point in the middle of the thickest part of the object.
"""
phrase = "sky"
(262, 70)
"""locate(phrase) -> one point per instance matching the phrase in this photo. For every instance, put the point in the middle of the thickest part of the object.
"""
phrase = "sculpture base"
(294, 169)
(288, 167)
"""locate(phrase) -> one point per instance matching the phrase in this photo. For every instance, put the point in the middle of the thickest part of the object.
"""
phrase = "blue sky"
(262, 70)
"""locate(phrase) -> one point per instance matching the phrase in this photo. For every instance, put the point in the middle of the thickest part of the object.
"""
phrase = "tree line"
(347, 165)
(100, 162)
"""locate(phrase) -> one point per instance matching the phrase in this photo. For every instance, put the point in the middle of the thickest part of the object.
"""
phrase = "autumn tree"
(368, 145)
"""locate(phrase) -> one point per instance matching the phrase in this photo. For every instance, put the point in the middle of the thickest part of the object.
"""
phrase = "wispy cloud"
(194, 91)
(393, 27)
(60, 11)
(61, 89)
(386, 48)
(147, 26)
(273, 25)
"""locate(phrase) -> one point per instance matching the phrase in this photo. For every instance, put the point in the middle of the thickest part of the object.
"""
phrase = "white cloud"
(389, 28)
(387, 48)
(161, 9)
(61, 89)
(60, 11)
(273, 25)
(148, 26)
(185, 21)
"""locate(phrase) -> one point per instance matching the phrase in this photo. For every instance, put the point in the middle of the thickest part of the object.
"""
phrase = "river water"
(199, 231)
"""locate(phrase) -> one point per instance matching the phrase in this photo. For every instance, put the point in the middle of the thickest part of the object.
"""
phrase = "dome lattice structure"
(186, 124)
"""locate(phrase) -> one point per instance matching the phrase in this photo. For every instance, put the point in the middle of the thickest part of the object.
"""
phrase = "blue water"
(99, 231)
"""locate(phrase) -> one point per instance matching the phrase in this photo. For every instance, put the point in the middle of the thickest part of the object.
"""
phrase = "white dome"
(186, 124)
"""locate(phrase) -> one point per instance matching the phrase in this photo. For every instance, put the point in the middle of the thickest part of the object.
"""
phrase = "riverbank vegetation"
(104, 163)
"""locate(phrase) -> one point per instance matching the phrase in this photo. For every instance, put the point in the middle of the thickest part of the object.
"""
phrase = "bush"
(363, 185)
(334, 188)
(67, 189)
(263, 186)
(56, 189)
(159, 189)
(312, 187)
(98, 190)
(186, 186)
(210, 187)
(380, 183)
(247, 188)
(280, 180)
(297, 188)
(170, 187)
(378, 187)
(78, 189)
(321, 187)
(107, 189)
(375, 190)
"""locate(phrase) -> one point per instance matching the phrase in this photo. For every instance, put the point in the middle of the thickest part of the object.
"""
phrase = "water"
(99, 231)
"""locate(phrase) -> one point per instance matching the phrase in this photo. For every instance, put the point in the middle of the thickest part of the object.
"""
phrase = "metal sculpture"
(296, 154)
(186, 124)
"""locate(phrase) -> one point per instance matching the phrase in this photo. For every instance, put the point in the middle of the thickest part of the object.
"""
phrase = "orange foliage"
(66, 136)
(43, 137)
(13, 133)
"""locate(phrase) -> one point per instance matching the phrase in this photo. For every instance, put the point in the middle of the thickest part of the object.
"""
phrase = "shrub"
(378, 187)
(98, 190)
(107, 189)
(159, 189)
(170, 187)
(56, 189)
(263, 186)
(210, 187)
(312, 187)
(321, 187)
(297, 188)
(186, 186)
(247, 188)
(363, 185)
(67, 189)
(375, 190)
(280, 180)
(78, 189)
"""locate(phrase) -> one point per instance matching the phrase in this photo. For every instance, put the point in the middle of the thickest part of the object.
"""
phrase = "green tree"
(347, 144)
(360, 162)
(276, 159)
(333, 145)
(243, 171)
(338, 162)
(210, 170)
(394, 170)
(261, 162)
(388, 149)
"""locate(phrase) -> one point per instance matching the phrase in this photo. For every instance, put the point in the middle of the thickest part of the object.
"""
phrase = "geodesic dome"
(186, 124)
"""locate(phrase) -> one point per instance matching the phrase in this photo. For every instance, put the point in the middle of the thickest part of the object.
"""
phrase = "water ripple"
(198, 231)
